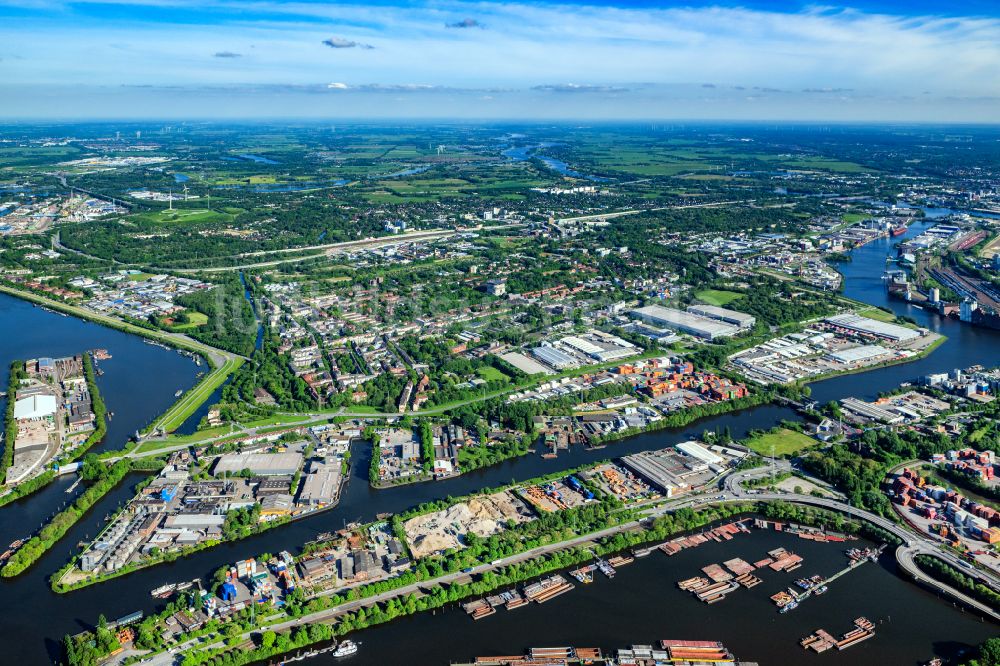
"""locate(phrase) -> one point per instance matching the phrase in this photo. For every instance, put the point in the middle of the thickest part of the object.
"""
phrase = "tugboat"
(346, 649)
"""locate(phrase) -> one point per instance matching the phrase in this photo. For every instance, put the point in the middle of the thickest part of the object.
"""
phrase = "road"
(336, 248)
(913, 544)
(636, 211)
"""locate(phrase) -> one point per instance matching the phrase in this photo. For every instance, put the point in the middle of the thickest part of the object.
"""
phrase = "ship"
(163, 591)
(346, 649)
(898, 230)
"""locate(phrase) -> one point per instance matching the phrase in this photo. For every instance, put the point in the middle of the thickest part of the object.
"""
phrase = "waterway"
(643, 604)
(285, 187)
(524, 153)
(139, 384)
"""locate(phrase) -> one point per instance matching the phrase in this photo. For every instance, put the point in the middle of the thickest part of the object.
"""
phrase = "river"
(525, 153)
(140, 381)
(643, 605)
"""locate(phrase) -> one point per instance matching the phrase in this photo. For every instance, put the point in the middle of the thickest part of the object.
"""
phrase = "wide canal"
(639, 606)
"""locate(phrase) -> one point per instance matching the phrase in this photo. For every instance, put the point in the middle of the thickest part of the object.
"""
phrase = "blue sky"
(871, 60)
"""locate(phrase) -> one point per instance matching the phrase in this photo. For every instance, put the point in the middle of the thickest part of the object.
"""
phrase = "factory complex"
(701, 321)
(842, 343)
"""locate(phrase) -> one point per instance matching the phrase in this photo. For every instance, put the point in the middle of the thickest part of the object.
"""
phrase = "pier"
(866, 555)
(822, 640)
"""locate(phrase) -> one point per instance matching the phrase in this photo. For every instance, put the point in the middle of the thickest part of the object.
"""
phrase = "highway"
(337, 248)
(636, 211)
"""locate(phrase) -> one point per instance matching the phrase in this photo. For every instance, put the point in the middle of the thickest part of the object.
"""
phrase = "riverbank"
(9, 424)
(57, 527)
(69, 577)
(222, 364)
(196, 396)
(371, 608)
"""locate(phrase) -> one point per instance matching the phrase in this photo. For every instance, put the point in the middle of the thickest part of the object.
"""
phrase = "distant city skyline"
(876, 60)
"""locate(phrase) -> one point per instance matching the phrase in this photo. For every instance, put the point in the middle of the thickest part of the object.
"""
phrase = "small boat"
(346, 649)
(179, 393)
(791, 605)
(820, 590)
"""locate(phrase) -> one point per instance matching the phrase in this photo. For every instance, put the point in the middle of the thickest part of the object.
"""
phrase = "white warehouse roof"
(882, 329)
(696, 450)
(35, 407)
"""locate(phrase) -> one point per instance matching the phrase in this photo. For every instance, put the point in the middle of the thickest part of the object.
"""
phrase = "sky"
(874, 60)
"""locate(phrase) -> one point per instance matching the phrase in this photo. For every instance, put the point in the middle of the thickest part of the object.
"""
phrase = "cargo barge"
(821, 640)
(676, 652)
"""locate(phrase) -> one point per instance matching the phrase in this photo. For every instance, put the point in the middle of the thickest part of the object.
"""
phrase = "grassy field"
(196, 319)
(182, 216)
(175, 440)
(784, 441)
(879, 314)
(193, 399)
(491, 374)
(717, 297)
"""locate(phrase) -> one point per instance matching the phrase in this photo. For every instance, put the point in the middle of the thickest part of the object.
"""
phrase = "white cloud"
(599, 48)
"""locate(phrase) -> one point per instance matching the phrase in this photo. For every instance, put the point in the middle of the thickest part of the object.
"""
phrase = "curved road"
(913, 544)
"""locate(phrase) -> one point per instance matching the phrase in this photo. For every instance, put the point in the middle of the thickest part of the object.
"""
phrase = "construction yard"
(446, 529)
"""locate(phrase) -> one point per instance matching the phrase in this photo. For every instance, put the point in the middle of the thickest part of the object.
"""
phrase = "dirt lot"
(483, 516)
(790, 484)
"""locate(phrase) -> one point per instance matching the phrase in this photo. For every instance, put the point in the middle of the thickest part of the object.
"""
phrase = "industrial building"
(555, 358)
(696, 450)
(321, 485)
(859, 354)
(870, 411)
(35, 407)
(857, 324)
(600, 346)
(670, 471)
(740, 319)
(685, 322)
(260, 464)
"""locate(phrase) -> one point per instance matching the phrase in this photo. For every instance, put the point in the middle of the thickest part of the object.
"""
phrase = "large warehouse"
(261, 464)
(733, 317)
(35, 407)
(881, 329)
(685, 322)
